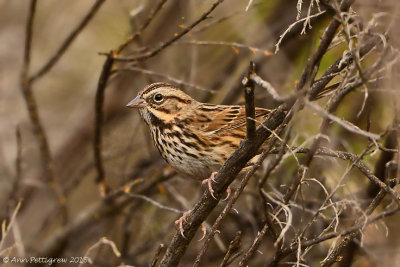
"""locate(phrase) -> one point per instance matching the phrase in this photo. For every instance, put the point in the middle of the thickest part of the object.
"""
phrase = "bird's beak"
(137, 102)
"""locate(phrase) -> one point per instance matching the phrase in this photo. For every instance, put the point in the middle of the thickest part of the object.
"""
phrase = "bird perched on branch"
(194, 138)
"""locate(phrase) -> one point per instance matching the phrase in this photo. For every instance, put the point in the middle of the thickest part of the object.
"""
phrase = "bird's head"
(161, 102)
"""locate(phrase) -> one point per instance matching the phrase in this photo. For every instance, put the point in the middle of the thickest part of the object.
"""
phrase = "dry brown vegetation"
(79, 174)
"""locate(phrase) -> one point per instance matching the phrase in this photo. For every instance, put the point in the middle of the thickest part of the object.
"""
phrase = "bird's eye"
(158, 97)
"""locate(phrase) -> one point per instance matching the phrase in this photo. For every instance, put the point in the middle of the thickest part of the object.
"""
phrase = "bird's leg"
(209, 181)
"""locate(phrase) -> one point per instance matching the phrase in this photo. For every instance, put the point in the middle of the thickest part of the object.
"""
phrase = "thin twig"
(38, 129)
(28, 41)
(105, 207)
(98, 124)
(360, 165)
(313, 63)
(345, 124)
(319, 85)
(147, 22)
(232, 45)
(168, 77)
(10, 224)
(270, 89)
(157, 256)
(308, 243)
(250, 108)
(234, 246)
(67, 42)
(334, 254)
(158, 49)
(18, 172)
(102, 241)
(291, 27)
(155, 203)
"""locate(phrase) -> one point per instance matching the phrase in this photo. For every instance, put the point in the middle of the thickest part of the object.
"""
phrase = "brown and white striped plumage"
(194, 138)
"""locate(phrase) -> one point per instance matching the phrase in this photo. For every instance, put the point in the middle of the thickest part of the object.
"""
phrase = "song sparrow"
(194, 138)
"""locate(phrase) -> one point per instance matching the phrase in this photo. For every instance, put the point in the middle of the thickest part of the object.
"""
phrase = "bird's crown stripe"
(154, 86)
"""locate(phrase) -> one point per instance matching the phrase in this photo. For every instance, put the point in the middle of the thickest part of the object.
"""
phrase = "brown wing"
(227, 120)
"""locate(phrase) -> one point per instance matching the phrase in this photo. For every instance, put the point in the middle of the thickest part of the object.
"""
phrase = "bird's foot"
(180, 221)
(209, 181)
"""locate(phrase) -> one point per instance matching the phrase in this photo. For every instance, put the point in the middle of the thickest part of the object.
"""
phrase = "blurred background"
(208, 63)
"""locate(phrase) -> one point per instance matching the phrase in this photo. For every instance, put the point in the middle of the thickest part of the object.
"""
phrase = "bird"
(194, 138)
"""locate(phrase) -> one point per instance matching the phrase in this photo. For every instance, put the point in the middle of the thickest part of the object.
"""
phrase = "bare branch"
(234, 246)
(155, 203)
(250, 109)
(234, 46)
(157, 256)
(345, 124)
(67, 42)
(6, 230)
(96, 246)
(30, 101)
(158, 49)
(98, 124)
(270, 89)
(168, 77)
(149, 19)
(291, 27)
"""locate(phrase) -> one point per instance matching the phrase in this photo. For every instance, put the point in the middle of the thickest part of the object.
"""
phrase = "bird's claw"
(180, 221)
(204, 230)
(209, 181)
(228, 193)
